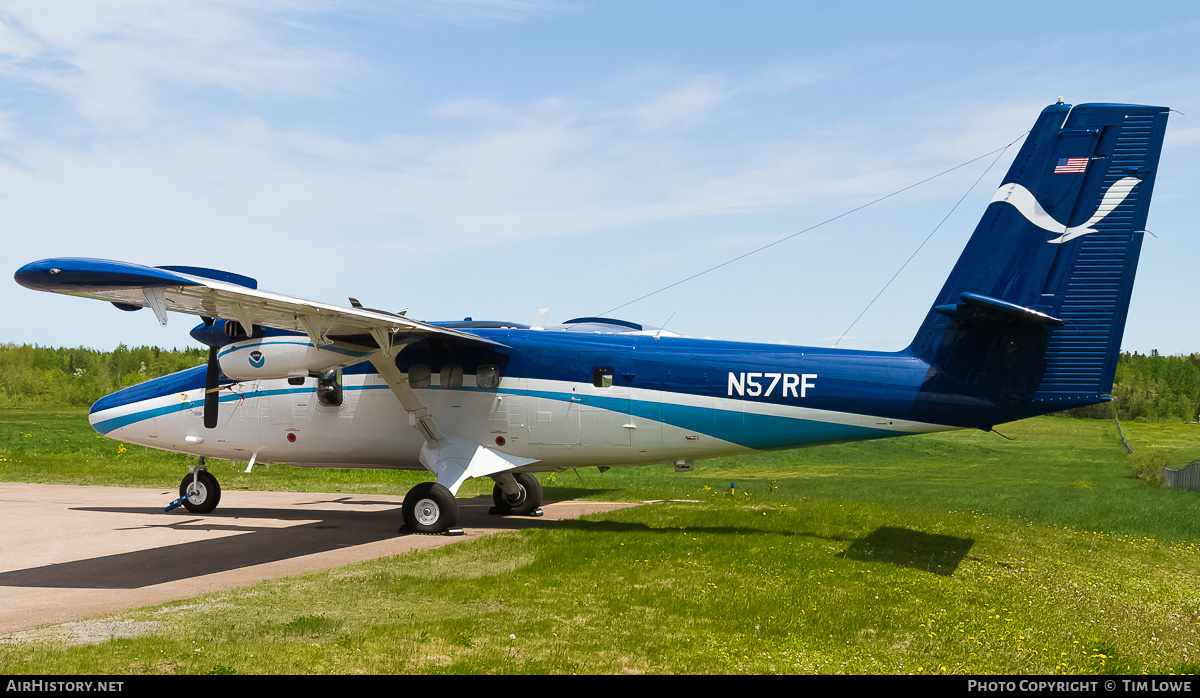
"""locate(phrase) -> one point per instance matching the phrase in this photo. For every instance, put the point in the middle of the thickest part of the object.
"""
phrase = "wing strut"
(383, 337)
(156, 299)
(451, 458)
(418, 415)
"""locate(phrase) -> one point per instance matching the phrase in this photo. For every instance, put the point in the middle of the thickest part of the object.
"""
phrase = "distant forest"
(41, 376)
(1152, 388)
(1147, 388)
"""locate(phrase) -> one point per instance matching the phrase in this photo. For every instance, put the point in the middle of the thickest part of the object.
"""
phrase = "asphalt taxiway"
(69, 553)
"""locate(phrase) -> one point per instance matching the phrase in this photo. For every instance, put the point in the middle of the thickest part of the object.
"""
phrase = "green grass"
(57, 446)
(948, 553)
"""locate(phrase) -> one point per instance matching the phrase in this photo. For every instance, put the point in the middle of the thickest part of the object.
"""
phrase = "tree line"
(1150, 388)
(45, 377)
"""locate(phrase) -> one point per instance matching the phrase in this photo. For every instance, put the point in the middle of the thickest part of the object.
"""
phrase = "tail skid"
(1031, 317)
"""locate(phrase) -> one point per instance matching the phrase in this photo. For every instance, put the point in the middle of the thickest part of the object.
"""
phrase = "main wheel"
(429, 508)
(201, 491)
(525, 503)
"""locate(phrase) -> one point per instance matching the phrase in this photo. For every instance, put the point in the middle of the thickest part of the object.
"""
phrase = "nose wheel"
(200, 492)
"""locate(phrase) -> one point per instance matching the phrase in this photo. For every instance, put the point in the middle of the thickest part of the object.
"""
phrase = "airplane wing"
(218, 294)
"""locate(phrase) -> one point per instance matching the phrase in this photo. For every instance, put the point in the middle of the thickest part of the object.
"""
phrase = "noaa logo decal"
(1027, 205)
(257, 359)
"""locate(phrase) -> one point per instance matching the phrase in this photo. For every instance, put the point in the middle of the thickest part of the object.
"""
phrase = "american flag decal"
(1069, 165)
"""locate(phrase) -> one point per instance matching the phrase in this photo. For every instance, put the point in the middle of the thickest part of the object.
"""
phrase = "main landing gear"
(431, 508)
(517, 495)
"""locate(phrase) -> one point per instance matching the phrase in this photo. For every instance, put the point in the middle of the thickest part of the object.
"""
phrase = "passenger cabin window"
(487, 377)
(602, 377)
(419, 376)
(329, 388)
(451, 377)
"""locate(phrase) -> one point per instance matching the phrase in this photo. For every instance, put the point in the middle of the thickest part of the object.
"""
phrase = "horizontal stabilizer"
(978, 307)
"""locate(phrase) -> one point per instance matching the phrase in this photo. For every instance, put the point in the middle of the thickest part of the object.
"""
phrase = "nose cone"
(211, 334)
(144, 401)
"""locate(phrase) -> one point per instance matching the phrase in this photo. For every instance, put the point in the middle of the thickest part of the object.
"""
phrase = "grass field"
(960, 552)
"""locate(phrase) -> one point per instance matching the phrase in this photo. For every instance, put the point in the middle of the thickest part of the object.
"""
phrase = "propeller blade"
(211, 388)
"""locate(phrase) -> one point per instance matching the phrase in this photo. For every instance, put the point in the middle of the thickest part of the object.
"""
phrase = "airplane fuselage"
(566, 399)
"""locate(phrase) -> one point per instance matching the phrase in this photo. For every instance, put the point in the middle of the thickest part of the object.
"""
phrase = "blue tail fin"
(1031, 317)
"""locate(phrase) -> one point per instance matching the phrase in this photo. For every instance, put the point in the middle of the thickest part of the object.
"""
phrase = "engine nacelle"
(283, 357)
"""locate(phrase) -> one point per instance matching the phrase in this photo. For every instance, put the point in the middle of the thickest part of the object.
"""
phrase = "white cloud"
(124, 62)
(469, 11)
(682, 106)
(547, 168)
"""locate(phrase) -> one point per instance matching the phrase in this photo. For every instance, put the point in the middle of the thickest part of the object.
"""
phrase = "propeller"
(211, 386)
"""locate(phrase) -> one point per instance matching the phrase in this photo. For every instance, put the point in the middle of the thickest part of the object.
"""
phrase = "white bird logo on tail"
(1023, 200)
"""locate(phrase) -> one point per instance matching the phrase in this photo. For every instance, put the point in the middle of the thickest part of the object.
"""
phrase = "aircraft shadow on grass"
(927, 552)
(902, 546)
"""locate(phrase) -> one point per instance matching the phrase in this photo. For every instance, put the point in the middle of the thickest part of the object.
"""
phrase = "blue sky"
(487, 158)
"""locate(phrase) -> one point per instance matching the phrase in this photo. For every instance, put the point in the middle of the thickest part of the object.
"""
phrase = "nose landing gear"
(199, 492)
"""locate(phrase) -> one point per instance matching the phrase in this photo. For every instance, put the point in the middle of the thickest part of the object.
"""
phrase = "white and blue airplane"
(1028, 322)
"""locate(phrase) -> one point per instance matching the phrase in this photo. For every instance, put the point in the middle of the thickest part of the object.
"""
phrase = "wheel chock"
(448, 532)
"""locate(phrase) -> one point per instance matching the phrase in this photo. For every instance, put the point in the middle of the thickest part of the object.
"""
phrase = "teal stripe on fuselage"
(760, 432)
(109, 425)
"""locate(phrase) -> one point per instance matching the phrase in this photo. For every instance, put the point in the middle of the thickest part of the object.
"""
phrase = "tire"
(429, 508)
(204, 496)
(526, 504)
